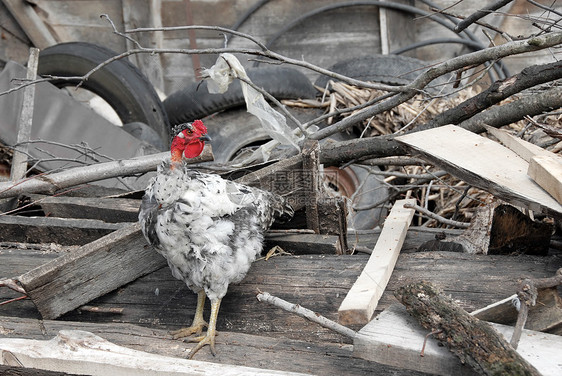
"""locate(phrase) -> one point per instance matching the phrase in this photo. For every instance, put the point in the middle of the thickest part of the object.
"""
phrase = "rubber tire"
(122, 85)
(387, 69)
(195, 102)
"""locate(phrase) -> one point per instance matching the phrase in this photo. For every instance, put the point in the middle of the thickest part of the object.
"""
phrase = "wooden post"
(310, 166)
(19, 160)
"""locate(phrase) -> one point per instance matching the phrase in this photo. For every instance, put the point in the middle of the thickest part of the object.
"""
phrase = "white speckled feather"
(209, 229)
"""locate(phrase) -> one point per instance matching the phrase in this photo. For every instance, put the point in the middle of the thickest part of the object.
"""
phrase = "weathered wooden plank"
(361, 301)
(240, 349)
(395, 338)
(31, 23)
(482, 163)
(25, 120)
(53, 230)
(82, 352)
(318, 282)
(283, 177)
(546, 171)
(92, 271)
(303, 244)
(111, 210)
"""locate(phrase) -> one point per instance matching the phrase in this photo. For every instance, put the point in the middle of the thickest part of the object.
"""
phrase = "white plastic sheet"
(223, 73)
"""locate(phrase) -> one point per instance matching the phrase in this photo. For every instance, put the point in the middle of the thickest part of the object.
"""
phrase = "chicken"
(209, 229)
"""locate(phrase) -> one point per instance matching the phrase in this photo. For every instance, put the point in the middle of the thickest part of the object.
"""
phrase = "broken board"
(362, 299)
(482, 163)
(81, 352)
(93, 270)
(395, 338)
(546, 171)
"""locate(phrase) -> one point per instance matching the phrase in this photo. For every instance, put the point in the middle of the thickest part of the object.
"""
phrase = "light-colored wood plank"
(395, 338)
(522, 148)
(482, 163)
(546, 171)
(19, 160)
(84, 353)
(361, 301)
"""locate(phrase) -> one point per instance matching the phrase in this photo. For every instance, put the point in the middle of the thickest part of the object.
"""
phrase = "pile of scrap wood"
(504, 196)
(112, 253)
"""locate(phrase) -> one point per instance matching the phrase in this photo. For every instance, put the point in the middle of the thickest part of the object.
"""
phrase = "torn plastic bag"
(222, 74)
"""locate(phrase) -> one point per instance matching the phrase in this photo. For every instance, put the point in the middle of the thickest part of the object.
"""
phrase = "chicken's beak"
(205, 137)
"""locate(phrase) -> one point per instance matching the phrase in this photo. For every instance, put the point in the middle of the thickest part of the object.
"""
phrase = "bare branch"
(478, 57)
(80, 175)
(306, 313)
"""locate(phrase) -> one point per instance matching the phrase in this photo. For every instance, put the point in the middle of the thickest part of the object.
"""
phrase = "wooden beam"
(283, 177)
(111, 210)
(303, 244)
(81, 352)
(19, 159)
(482, 163)
(311, 180)
(31, 23)
(360, 303)
(93, 270)
(395, 338)
(546, 171)
(64, 231)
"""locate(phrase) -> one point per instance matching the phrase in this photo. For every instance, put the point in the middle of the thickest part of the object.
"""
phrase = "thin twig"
(438, 218)
(306, 313)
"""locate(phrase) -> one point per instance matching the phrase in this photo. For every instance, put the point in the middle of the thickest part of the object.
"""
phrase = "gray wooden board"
(82, 352)
(318, 282)
(91, 271)
(394, 337)
(65, 231)
(106, 209)
(232, 348)
(482, 163)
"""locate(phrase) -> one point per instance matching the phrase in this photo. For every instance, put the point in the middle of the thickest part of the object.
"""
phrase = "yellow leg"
(209, 338)
(198, 322)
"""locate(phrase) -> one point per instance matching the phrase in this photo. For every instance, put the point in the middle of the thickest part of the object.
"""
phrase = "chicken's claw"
(195, 328)
(208, 339)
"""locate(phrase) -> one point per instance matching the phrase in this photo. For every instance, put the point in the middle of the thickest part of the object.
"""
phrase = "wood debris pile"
(440, 193)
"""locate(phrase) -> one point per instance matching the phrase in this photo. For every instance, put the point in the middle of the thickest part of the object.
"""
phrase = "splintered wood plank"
(546, 171)
(81, 352)
(95, 269)
(360, 303)
(324, 358)
(395, 338)
(482, 163)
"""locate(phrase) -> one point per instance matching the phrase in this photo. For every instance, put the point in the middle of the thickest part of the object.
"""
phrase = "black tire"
(195, 102)
(387, 69)
(120, 83)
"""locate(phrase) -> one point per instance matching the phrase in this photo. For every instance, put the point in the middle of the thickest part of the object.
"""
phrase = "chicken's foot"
(198, 322)
(209, 338)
